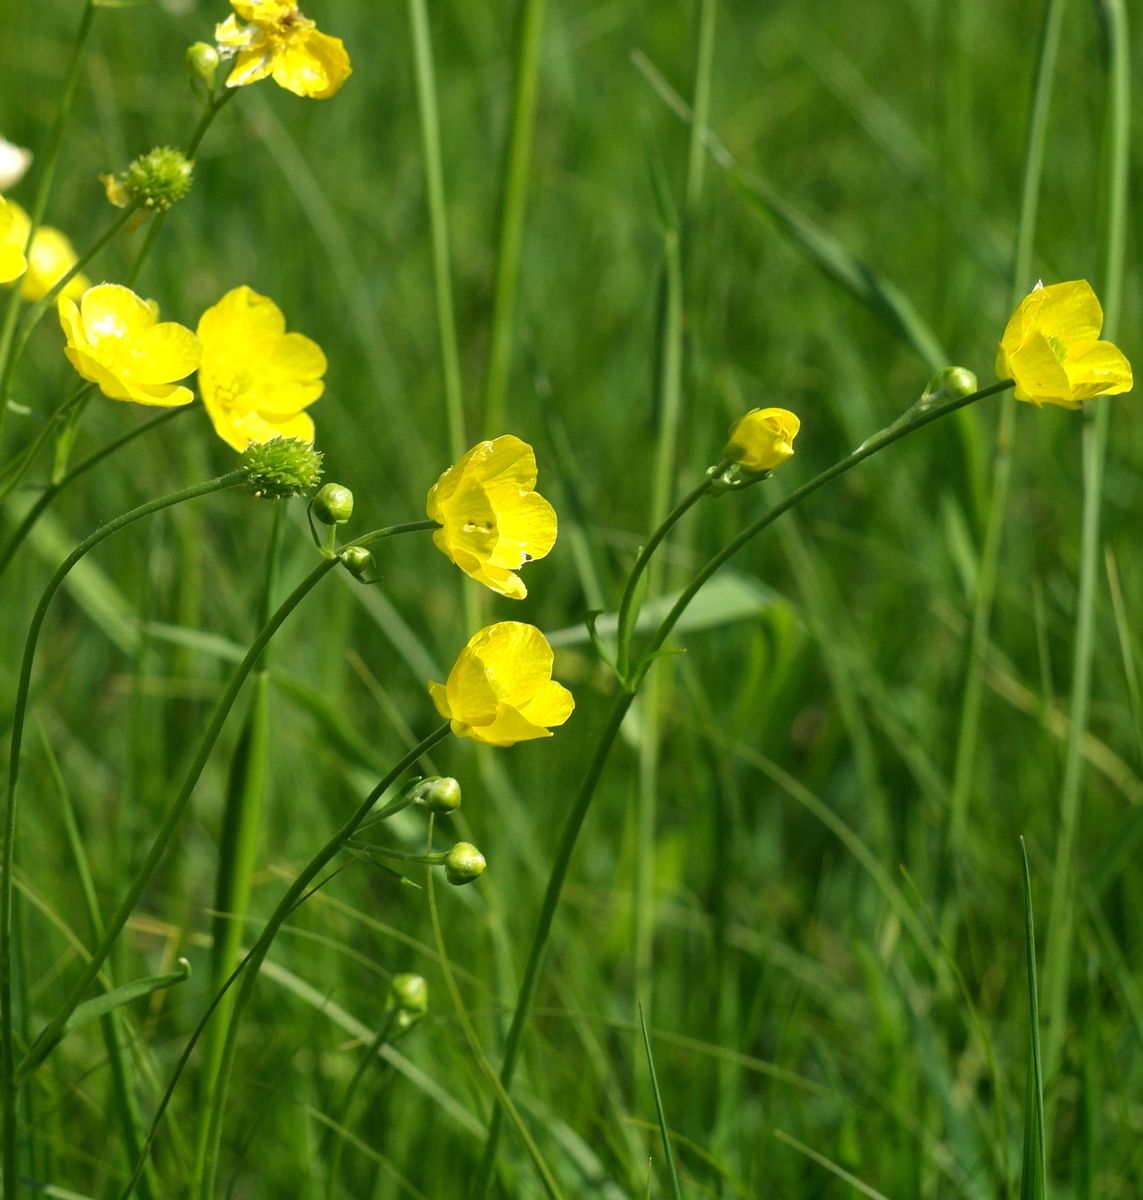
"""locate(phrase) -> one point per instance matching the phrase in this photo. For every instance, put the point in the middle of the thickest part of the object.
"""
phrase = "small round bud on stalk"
(463, 864)
(948, 384)
(156, 180)
(333, 505)
(762, 440)
(411, 1000)
(439, 794)
(202, 61)
(281, 468)
(358, 562)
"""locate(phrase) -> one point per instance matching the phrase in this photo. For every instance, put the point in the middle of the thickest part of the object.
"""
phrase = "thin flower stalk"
(205, 1189)
(19, 715)
(47, 168)
(577, 813)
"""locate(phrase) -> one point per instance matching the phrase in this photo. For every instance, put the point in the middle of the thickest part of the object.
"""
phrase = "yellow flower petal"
(492, 521)
(280, 41)
(1052, 352)
(164, 352)
(500, 689)
(255, 378)
(12, 261)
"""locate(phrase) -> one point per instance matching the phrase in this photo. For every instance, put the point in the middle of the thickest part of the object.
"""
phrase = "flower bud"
(156, 180)
(411, 993)
(439, 794)
(281, 468)
(463, 863)
(411, 1000)
(948, 384)
(762, 440)
(358, 562)
(202, 61)
(333, 505)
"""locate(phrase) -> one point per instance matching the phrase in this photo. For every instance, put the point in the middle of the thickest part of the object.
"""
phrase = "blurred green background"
(816, 962)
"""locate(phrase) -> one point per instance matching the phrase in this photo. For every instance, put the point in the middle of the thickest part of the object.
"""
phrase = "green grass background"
(820, 969)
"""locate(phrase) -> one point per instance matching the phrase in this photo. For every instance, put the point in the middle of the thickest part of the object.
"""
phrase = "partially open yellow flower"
(282, 43)
(50, 258)
(255, 378)
(763, 439)
(1051, 349)
(12, 261)
(500, 690)
(492, 521)
(116, 340)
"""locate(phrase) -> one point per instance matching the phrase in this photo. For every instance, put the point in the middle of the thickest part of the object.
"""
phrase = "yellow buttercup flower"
(763, 439)
(500, 690)
(12, 261)
(255, 378)
(283, 43)
(1051, 348)
(116, 340)
(50, 257)
(492, 520)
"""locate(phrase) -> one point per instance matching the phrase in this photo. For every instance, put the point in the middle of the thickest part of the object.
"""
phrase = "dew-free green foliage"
(832, 967)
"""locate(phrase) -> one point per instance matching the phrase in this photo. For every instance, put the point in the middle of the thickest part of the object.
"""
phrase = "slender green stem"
(625, 625)
(14, 472)
(573, 823)
(513, 202)
(50, 1033)
(258, 954)
(378, 535)
(19, 715)
(209, 113)
(1097, 421)
(238, 845)
(47, 165)
(968, 734)
(700, 107)
(438, 221)
(45, 498)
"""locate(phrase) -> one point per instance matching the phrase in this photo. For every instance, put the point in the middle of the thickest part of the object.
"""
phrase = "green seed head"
(281, 468)
(156, 180)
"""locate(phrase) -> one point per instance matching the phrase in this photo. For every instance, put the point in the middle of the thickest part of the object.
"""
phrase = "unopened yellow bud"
(762, 440)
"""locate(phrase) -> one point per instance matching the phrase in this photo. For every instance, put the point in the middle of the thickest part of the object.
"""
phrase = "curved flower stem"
(257, 955)
(7, 1063)
(628, 611)
(377, 535)
(911, 421)
(48, 161)
(53, 489)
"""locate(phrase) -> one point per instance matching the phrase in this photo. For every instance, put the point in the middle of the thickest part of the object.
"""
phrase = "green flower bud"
(333, 505)
(441, 794)
(411, 993)
(463, 863)
(156, 180)
(281, 468)
(202, 61)
(358, 562)
(411, 1000)
(949, 383)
